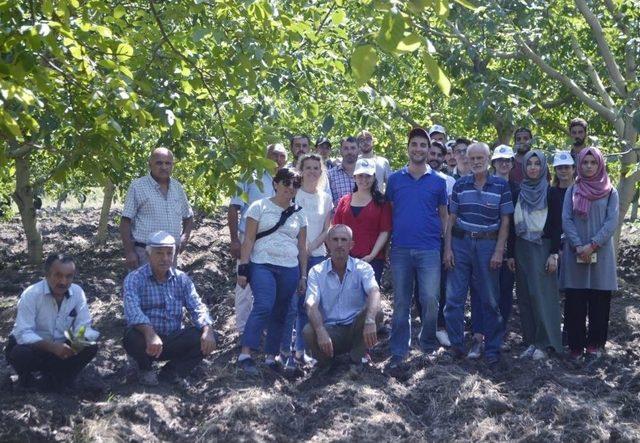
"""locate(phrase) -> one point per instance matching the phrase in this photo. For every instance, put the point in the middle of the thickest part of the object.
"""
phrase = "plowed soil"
(439, 400)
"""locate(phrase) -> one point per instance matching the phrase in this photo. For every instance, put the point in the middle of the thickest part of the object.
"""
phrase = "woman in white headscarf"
(538, 229)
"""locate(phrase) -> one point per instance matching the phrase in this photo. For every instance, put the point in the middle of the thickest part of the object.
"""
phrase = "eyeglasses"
(460, 151)
(296, 182)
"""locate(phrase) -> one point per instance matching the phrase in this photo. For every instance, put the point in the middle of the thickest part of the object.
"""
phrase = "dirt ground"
(439, 401)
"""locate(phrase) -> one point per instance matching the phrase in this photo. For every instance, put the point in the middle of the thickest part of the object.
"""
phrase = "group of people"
(312, 237)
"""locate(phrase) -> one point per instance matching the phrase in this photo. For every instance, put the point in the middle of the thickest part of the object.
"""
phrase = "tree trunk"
(634, 205)
(109, 189)
(627, 184)
(23, 197)
(504, 129)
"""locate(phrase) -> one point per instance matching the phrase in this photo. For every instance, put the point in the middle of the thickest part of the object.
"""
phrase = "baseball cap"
(419, 132)
(365, 166)
(279, 147)
(437, 128)
(450, 144)
(322, 140)
(161, 239)
(562, 158)
(502, 151)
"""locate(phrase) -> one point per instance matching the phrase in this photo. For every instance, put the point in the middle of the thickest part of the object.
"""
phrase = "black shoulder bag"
(283, 218)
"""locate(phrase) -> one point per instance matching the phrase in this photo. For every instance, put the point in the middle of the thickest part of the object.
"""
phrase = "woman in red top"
(368, 215)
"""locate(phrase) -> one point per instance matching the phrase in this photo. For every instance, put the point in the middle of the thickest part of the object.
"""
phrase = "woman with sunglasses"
(274, 259)
(537, 227)
(316, 205)
(588, 273)
(368, 215)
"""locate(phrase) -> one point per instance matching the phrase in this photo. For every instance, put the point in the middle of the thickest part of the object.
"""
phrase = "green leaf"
(119, 11)
(10, 123)
(410, 43)
(467, 4)
(327, 124)
(419, 5)
(338, 17)
(441, 8)
(636, 120)
(76, 52)
(363, 63)
(391, 31)
(124, 51)
(436, 73)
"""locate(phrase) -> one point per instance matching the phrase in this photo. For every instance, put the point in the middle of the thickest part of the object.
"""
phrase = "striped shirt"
(150, 210)
(480, 210)
(149, 302)
(341, 183)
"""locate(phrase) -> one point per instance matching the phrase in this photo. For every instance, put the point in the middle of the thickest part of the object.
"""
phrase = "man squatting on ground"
(343, 304)
(45, 311)
(154, 296)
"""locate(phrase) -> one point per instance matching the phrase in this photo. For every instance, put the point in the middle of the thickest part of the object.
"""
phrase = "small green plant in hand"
(78, 341)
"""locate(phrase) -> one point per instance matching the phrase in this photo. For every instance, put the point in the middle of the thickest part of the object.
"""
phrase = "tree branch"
(195, 67)
(618, 82)
(492, 53)
(606, 113)
(403, 115)
(549, 104)
(618, 17)
(630, 60)
(595, 77)
(21, 150)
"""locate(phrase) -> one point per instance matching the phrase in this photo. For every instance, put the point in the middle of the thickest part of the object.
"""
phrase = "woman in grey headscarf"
(538, 227)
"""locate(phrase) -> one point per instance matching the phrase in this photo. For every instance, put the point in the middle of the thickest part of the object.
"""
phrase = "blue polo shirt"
(416, 222)
(480, 210)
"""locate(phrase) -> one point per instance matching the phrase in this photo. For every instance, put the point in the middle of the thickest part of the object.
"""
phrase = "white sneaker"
(476, 350)
(443, 337)
(528, 353)
(539, 354)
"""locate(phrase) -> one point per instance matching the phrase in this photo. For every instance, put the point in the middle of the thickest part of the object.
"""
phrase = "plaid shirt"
(150, 211)
(146, 301)
(340, 183)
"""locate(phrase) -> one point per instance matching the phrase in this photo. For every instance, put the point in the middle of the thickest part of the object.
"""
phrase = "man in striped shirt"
(474, 246)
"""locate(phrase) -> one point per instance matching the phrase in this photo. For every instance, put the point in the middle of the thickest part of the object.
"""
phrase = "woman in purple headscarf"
(588, 271)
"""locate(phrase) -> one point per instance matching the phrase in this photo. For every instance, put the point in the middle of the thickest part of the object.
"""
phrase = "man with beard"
(383, 169)
(449, 159)
(578, 132)
(299, 145)
(462, 167)
(522, 138)
(341, 180)
(436, 156)
(323, 148)
(419, 200)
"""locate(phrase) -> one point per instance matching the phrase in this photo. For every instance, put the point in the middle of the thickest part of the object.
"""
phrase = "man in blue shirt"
(475, 241)
(154, 296)
(343, 303)
(419, 199)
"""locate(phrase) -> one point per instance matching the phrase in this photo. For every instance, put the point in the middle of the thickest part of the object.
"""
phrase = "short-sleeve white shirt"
(316, 208)
(280, 247)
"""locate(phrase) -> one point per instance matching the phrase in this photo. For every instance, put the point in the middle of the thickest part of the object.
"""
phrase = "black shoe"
(169, 377)
(396, 367)
(26, 381)
(248, 367)
(356, 370)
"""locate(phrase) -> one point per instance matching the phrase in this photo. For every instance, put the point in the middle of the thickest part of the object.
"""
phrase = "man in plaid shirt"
(154, 297)
(155, 202)
(341, 179)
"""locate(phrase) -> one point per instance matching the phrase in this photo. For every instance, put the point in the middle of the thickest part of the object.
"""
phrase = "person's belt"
(461, 233)
(140, 244)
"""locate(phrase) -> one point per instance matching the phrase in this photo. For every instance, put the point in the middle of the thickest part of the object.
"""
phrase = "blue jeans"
(506, 280)
(297, 315)
(472, 258)
(405, 264)
(273, 287)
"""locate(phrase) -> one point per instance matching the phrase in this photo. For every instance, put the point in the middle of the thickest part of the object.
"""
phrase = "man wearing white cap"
(383, 168)
(255, 189)
(154, 202)
(154, 297)
(437, 133)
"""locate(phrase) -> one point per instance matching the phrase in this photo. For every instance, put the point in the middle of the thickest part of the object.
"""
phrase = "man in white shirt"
(45, 311)
(383, 169)
(236, 219)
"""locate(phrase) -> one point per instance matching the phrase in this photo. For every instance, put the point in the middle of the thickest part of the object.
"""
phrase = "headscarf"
(588, 189)
(531, 210)
(533, 192)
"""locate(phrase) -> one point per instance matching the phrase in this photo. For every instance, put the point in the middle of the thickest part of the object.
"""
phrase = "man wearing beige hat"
(383, 169)
(155, 295)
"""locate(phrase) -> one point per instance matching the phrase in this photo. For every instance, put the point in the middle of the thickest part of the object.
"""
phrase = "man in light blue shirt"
(259, 188)
(343, 303)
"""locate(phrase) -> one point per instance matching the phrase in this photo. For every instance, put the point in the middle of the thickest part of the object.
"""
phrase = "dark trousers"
(583, 304)
(180, 348)
(345, 339)
(27, 359)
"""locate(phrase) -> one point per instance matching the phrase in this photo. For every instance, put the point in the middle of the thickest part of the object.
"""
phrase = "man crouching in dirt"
(343, 303)
(50, 314)
(154, 296)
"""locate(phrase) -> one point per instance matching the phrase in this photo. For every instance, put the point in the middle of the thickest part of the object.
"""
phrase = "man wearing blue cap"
(154, 297)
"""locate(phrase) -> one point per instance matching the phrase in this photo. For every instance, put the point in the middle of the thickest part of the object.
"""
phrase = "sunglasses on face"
(296, 182)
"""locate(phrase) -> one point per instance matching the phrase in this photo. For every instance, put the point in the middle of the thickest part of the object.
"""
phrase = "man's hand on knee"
(154, 344)
(324, 342)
